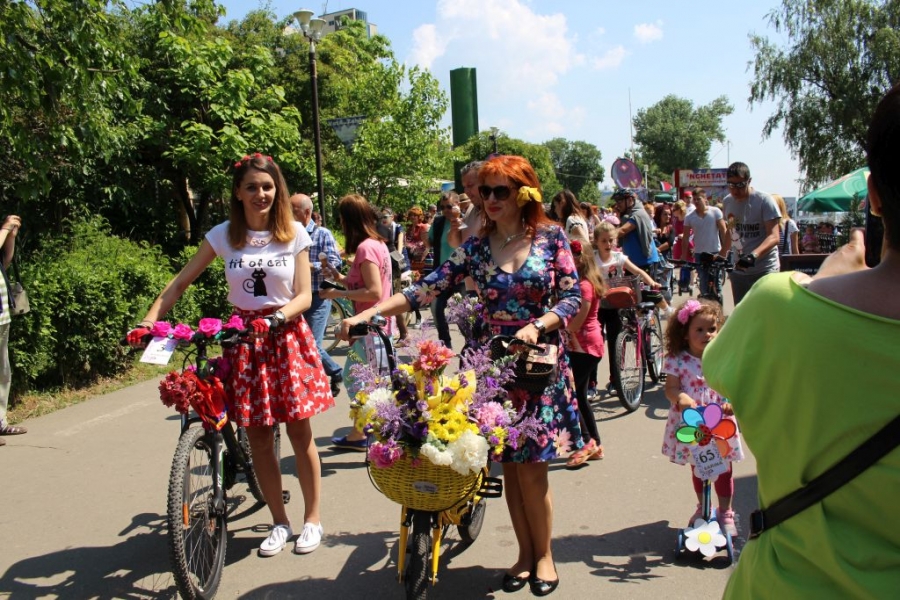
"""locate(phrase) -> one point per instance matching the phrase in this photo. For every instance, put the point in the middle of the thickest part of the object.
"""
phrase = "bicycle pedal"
(491, 487)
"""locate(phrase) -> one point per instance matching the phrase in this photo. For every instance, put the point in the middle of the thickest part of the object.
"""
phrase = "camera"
(330, 285)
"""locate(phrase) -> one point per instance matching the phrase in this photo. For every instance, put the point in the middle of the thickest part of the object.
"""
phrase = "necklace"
(259, 241)
(510, 238)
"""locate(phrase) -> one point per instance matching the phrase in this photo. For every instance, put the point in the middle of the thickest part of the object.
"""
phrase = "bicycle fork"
(406, 517)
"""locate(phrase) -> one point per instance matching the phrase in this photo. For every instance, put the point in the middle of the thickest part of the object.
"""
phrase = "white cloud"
(428, 45)
(648, 32)
(600, 31)
(611, 59)
(553, 118)
(504, 37)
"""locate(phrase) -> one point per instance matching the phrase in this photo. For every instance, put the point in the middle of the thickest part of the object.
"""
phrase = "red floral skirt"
(276, 379)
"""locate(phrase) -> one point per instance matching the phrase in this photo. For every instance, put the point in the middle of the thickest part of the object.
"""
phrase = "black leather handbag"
(536, 365)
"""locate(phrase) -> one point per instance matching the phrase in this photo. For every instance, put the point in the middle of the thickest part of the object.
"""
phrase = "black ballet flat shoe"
(540, 587)
(512, 583)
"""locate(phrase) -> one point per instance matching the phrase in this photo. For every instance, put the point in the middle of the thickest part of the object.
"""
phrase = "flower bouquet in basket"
(421, 414)
(464, 312)
(198, 386)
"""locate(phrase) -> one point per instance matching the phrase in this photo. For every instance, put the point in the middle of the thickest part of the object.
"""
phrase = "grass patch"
(36, 404)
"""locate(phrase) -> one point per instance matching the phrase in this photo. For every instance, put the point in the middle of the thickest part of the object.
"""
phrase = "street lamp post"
(493, 137)
(313, 31)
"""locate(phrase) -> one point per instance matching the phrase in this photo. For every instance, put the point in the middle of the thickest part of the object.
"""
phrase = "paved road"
(83, 502)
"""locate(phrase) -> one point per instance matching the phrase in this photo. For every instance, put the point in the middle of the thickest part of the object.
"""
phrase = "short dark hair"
(738, 169)
(883, 155)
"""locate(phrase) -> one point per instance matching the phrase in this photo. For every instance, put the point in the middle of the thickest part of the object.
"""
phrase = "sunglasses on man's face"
(501, 192)
(446, 206)
(739, 185)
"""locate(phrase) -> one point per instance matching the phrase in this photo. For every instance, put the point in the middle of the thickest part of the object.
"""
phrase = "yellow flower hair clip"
(528, 194)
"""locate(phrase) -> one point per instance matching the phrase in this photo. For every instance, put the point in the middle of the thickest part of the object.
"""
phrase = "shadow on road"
(135, 568)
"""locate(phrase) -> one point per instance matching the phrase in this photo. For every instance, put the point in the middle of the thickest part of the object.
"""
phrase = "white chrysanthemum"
(706, 538)
(376, 397)
(435, 455)
(469, 452)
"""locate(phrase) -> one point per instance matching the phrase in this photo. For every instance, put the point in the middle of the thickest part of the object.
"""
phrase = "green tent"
(838, 195)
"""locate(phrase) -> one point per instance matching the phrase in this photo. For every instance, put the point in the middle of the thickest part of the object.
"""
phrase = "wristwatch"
(539, 325)
(278, 318)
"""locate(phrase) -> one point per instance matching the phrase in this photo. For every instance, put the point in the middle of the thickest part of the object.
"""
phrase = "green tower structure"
(464, 110)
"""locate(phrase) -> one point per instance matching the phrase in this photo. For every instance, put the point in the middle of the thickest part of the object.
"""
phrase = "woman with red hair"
(525, 274)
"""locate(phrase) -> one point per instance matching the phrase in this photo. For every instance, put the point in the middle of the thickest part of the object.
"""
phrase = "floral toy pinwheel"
(704, 424)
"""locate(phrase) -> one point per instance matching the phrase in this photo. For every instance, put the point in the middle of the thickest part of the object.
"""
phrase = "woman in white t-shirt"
(789, 235)
(278, 378)
(566, 206)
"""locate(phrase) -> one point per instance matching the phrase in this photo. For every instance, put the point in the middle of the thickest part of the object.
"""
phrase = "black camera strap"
(864, 456)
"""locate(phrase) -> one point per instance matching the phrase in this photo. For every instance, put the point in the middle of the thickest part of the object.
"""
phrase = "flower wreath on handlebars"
(199, 387)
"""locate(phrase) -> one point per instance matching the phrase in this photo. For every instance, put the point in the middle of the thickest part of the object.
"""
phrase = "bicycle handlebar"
(225, 338)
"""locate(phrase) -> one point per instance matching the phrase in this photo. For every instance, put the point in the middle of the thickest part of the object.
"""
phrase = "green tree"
(672, 134)
(838, 58)
(577, 166)
(480, 146)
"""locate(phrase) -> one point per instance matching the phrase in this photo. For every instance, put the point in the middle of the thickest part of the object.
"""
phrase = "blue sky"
(564, 68)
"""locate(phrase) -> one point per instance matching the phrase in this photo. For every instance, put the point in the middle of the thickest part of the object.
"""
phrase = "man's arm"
(723, 235)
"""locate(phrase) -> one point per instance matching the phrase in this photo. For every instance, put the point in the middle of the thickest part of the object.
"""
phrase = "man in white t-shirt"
(707, 225)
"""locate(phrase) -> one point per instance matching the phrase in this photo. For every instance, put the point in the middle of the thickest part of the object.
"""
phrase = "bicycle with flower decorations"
(211, 453)
(433, 439)
(707, 432)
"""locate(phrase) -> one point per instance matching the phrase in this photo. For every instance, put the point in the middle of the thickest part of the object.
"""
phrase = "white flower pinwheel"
(706, 538)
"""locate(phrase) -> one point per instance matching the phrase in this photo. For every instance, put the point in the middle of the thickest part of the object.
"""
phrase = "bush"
(86, 290)
(210, 290)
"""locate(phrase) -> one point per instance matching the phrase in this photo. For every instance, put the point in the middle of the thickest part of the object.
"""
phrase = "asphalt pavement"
(83, 500)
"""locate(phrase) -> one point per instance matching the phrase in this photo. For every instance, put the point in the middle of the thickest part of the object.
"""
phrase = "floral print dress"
(547, 281)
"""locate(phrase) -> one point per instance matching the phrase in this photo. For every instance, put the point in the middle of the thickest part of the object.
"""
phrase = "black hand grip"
(330, 285)
(359, 330)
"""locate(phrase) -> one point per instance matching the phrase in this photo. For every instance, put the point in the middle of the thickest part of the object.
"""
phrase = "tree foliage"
(577, 166)
(480, 146)
(838, 59)
(672, 134)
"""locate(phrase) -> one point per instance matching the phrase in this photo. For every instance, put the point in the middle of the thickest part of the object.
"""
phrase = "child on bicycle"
(693, 327)
(613, 263)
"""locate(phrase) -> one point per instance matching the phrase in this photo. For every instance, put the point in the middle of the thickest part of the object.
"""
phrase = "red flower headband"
(247, 157)
(576, 247)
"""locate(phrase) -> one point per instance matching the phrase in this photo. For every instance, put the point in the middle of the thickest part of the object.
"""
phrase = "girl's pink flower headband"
(687, 311)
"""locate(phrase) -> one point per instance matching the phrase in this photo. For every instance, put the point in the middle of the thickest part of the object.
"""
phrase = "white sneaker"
(276, 541)
(309, 538)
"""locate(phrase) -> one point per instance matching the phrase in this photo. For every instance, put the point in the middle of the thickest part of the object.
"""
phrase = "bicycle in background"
(714, 267)
(639, 345)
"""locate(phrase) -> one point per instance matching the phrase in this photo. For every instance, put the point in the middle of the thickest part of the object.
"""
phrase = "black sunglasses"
(501, 192)
(446, 206)
(739, 185)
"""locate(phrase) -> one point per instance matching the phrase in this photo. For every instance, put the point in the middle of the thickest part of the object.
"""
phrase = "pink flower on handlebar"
(182, 332)
(209, 327)
(161, 329)
(235, 322)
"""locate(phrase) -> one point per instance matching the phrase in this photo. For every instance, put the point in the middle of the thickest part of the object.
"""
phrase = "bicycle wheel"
(417, 571)
(653, 346)
(630, 368)
(472, 522)
(337, 314)
(197, 535)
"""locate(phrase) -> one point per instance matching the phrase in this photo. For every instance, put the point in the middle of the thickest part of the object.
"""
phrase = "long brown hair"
(281, 219)
(358, 221)
(587, 267)
(520, 173)
(569, 205)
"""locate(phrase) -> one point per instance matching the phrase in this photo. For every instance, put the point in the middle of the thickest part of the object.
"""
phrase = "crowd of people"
(540, 274)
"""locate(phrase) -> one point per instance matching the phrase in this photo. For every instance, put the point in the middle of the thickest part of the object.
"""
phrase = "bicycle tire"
(472, 522)
(197, 536)
(653, 347)
(338, 313)
(417, 570)
(630, 367)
